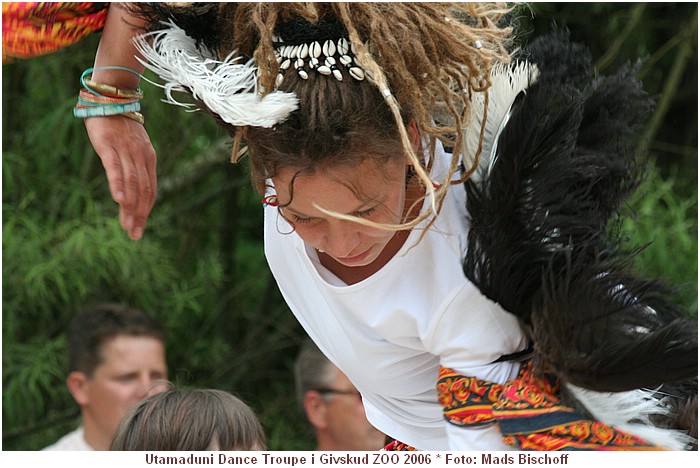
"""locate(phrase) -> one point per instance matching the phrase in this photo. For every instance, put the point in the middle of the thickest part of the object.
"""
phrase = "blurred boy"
(116, 359)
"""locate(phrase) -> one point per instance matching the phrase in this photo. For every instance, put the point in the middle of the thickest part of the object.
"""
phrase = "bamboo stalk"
(670, 88)
(615, 47)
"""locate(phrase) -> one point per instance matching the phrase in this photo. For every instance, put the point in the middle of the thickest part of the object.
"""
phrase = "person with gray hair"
(332, 404)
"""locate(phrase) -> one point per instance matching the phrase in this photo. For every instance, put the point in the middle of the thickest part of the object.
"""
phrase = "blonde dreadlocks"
(425, 60)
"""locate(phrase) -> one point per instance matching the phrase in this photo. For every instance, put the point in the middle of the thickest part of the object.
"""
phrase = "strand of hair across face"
(377, 77)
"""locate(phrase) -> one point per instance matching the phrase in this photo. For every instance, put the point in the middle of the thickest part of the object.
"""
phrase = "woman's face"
(365, 191)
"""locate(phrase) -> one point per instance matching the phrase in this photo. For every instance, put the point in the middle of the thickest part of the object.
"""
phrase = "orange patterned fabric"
(36, 28)
(528, 413)
(396, 446)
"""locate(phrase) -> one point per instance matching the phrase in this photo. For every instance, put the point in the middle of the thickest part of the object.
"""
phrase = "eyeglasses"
(334, 391)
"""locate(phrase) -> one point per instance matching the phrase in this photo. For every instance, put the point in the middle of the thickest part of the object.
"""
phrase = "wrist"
(121, 79)
(99, 99)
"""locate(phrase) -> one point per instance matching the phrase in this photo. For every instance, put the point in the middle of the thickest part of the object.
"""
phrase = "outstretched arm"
(121, 143)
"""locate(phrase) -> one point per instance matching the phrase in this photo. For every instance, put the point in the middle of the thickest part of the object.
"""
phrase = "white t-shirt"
(391, 332)
(73, 441)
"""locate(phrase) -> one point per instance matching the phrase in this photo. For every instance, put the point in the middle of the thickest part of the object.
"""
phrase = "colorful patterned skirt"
(528, 413)
(30, 29)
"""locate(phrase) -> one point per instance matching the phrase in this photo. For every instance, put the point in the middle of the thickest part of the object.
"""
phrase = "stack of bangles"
(100, 100)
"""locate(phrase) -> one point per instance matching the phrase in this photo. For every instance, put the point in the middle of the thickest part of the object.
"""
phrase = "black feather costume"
(542, 241)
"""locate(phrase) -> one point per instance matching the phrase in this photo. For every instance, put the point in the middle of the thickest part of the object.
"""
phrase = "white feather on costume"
(630, 412)
(507, 82)
(227, 88)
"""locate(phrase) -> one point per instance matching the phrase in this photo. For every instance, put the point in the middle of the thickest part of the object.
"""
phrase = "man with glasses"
(332, 405)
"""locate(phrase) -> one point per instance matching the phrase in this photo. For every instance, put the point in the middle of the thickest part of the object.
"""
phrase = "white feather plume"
(630, 412)
(506, 83)
(228, 88)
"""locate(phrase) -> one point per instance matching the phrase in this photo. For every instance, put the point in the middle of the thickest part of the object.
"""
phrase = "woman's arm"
(122, 144)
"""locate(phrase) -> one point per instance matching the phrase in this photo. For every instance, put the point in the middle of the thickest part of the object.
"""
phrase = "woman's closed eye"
(366, 213)
(360, 214)
(301, 220)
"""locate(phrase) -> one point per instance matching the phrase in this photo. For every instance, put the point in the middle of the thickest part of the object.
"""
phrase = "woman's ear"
(413, 135)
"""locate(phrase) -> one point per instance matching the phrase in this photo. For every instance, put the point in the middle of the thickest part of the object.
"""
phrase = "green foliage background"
(200, 267)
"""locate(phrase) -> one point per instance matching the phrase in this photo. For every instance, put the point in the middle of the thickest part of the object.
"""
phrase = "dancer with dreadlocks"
(447, 207)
